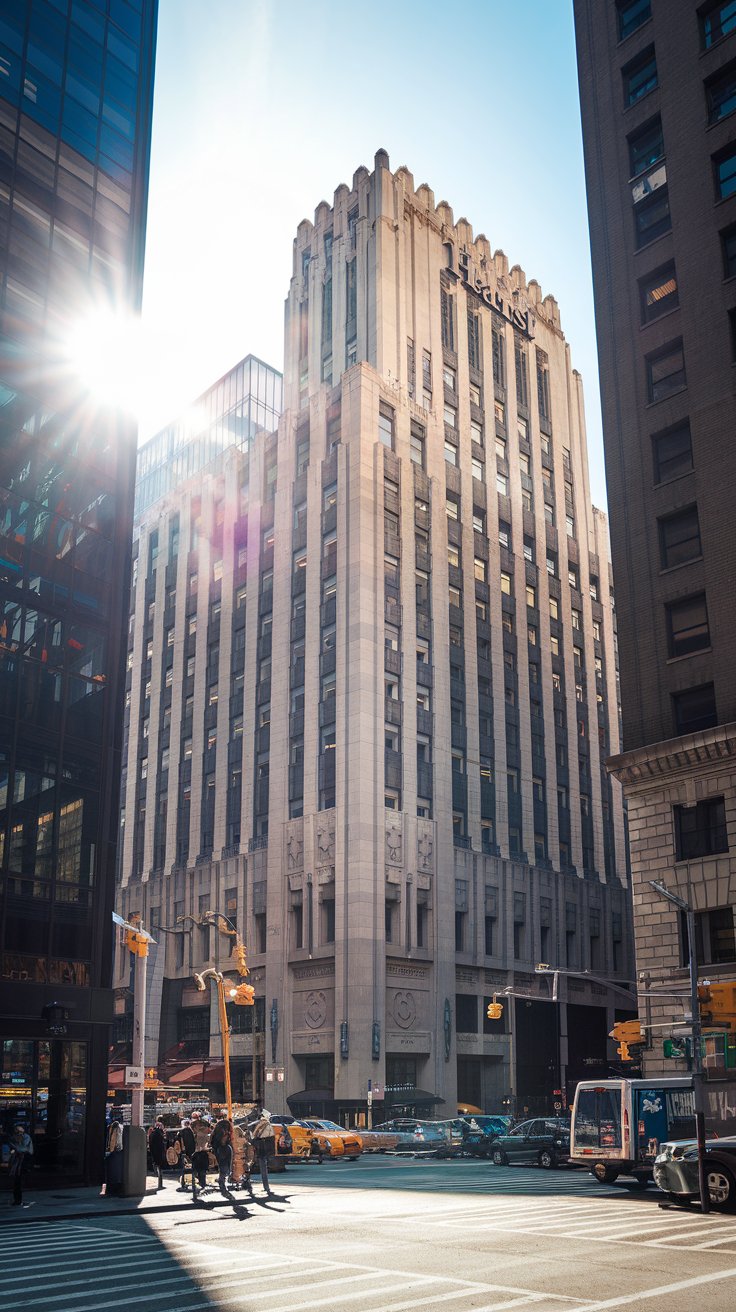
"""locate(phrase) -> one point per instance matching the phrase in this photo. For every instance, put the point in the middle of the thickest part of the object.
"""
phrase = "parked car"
(545, 1141)
(480, 1131)
(676, 1170)
(426, 1137)
(334, 1140)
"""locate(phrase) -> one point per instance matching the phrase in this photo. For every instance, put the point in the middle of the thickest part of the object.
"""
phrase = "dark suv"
(545, 1140)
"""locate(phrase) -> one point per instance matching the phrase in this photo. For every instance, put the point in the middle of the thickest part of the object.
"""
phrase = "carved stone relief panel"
(295, 845)
(394, 842)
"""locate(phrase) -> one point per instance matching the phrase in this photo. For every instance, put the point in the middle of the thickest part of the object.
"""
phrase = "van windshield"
(598, 1118)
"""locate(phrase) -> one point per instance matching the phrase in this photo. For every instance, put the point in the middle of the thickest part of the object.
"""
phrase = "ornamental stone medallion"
(404, 1009)
(315, 1009)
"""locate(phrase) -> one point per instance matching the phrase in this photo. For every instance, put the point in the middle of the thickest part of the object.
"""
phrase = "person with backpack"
(263, 1137)
(157, 1148)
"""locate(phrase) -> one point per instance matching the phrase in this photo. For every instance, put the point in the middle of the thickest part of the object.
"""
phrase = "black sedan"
(544, 1140)
(480, 1132)
(676, 1171)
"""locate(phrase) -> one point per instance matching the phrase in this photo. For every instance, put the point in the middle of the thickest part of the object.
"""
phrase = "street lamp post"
(697, 1031)
(242, 994)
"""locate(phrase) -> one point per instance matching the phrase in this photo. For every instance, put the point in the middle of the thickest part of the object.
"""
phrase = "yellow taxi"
(333, 1140)
(302, 1139)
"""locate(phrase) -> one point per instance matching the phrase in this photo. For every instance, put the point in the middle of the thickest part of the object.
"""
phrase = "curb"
(98, 1214)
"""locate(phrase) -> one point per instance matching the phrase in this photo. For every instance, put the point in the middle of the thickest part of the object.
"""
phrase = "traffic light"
(718, 1005)
(243, 995)
(240, 958)
(495, 1009)
(136, 943)
(627, 1033)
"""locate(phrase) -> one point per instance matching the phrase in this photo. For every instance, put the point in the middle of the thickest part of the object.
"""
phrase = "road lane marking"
(660, 1292)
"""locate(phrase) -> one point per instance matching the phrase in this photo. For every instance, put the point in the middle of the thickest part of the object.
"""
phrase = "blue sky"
(263, 107)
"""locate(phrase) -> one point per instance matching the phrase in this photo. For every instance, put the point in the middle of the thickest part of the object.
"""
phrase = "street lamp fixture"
(697, 1073)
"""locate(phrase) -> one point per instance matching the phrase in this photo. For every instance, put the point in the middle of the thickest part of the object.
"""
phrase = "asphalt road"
(386, 1235)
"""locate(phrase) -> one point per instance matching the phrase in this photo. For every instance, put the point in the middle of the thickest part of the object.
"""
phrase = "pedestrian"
(188, 1148)
(113, 1159)
(221, 1143)
(242, 1157)
(262, 1134)
(200, 1155)
(157, 1149)
(21, 1152)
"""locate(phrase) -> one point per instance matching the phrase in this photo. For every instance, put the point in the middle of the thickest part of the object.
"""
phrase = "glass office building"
(247, 399)
(76, 83)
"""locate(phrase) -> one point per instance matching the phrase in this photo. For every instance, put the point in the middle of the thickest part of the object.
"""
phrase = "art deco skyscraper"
(75, 120)
(412, 591)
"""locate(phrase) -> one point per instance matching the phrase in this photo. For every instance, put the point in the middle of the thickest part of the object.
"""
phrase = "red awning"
(201, 1074)
(116, 1078)
(189, 1075)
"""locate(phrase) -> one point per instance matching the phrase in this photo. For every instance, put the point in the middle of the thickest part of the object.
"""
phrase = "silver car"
(676, 1170)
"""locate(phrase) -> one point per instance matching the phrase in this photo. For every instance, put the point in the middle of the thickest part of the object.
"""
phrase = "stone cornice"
(675, 756)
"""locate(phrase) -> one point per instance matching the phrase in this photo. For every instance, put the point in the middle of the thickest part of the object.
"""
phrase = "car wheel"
(721, 1186)
(353, 1159)
(547, 1159)
(499, 1158)
(604, 1173)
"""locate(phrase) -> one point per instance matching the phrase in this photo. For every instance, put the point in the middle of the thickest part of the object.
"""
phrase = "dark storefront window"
(43, 1087)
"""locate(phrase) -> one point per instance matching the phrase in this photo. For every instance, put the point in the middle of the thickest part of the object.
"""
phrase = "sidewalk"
(84, 1203)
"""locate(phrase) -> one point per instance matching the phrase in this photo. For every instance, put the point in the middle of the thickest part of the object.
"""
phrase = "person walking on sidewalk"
(200, 1156)
(221, 1144)
(188, 1148)
(21, 1152)
(113, 1160)
(262, 1134)
(157, 1148)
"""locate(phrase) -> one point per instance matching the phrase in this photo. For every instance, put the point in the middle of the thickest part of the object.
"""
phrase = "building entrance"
(43, 1087)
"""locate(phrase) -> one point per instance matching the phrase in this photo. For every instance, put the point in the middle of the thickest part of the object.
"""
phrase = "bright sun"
(106, 352)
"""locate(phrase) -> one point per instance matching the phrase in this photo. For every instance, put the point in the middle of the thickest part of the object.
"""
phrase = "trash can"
(135, 1149)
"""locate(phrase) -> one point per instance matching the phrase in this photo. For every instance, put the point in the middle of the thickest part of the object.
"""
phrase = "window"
(695, 709)
(450, 453)
(679, 538)
(452, 509)
(672, 453)
(631, 14)
(449, 378)
(720, 94)
(717, 21)
(386, 425)
(715, 939)
(724, 167)
(448, 320)
(417, 445)
(687, 626)
(328, 920)
(543, 385)
(506, 584)
(700, 830)
(554, 609)
(453, 555)
(466, 1013)
(640, 77)
(531, 596)
(666, 372)
(652, 217)
(502, 484)
(646, 147)
(479, 569)
(504, 534)
(658, 293)
(477, 469)
(475, 394)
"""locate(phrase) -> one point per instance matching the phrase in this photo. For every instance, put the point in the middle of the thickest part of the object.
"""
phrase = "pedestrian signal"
(495, 1009)
(718, 1005)
(628, 1034)
(243, 995)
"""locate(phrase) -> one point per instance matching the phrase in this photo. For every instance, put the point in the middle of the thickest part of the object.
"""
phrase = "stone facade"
(393, 682)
